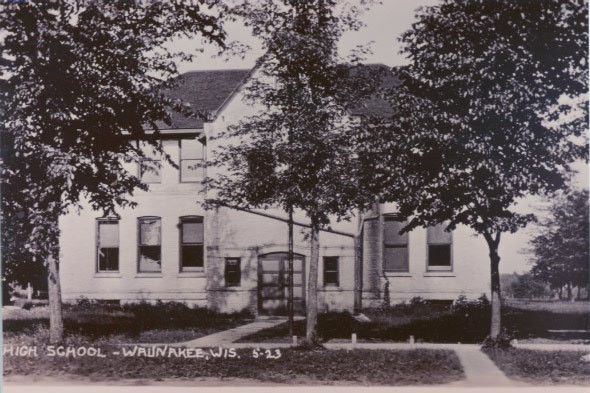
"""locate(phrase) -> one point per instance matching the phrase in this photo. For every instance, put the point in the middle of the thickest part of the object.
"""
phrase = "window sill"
(400, 274)
(149, 275)
(332, 288)
(192, 274)
(107, 275)
(439, 274)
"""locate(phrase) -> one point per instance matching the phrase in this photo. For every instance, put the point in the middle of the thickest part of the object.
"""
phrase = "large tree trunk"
(496, 320)
(358, 267)
(56, 325)
(312, 291)
(569, 291)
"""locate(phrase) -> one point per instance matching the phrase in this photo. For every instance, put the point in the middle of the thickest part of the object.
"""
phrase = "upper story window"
(440, 245)
(191, 244)
(191, 161)
(331, 276)
(150, 244)
(150, 167)
(395, 246)
(107, 244)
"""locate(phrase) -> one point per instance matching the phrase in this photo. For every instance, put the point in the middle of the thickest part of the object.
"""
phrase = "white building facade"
(170, 248)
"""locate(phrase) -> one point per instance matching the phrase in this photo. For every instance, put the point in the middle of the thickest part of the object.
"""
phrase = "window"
(151, 165)
(331, 272)
(107, 244)
(439, 248)
(191, 244)
(191, 161)
(395, 246)
(233, 272)
(150, 245)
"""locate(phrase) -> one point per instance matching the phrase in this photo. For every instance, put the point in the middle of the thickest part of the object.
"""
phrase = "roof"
(204, 91)
(208, 91)
(378, 106)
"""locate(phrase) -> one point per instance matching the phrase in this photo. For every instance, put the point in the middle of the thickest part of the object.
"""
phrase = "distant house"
(169, 248)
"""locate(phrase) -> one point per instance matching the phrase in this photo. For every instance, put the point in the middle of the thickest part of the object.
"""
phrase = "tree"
(298, 152)
(561, 248)
(528, 286)
(79, 79)
(478, 123)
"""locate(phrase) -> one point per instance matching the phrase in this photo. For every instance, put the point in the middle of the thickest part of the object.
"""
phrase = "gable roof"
(377, 106)
(209, 91)
(204, 91)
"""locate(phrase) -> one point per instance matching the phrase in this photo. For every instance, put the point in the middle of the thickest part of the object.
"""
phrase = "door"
(273, 284)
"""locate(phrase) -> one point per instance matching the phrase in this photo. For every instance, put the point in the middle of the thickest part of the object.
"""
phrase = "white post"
(29, 291)
(353, 338)
(294, 340)
(411, 339)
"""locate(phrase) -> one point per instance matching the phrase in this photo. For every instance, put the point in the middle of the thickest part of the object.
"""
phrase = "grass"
(542, 367)
(557, 307)
(465, 322)
(358, 367)
(137, 323)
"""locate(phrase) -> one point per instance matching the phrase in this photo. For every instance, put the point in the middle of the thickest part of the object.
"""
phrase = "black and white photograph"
(285, 195)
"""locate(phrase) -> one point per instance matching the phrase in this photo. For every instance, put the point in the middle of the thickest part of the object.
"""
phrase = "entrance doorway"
(273, 284)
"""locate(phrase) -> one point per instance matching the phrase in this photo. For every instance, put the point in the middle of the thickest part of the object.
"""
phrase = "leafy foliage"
(299, 150)
(79, 79)
(471, 132)
(561, 248)
(480, 115)
(527, 286)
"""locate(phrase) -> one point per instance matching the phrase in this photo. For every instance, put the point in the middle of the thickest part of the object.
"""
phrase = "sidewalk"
(480, 370)
(227, 337)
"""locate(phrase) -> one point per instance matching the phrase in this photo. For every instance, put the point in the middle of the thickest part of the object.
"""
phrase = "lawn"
(466, 322)
(558, 307)
(137, 323)
(542, 367)
(319, 367)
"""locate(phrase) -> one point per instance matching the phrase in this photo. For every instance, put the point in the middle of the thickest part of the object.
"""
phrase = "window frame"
(239, 272)
(406, 245)
(180, 160)
(139, 245)
(451, 266)
(97, 244)
(337, 271)
(140, 172)
(182, 220)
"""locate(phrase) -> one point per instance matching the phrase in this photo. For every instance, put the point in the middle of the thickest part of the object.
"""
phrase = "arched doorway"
(273, 283)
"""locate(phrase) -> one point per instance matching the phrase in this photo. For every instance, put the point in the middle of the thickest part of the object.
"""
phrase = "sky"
(384, 23)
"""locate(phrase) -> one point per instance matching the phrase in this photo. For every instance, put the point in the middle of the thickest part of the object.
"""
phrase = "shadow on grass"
(465, 322)
(95, 320)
